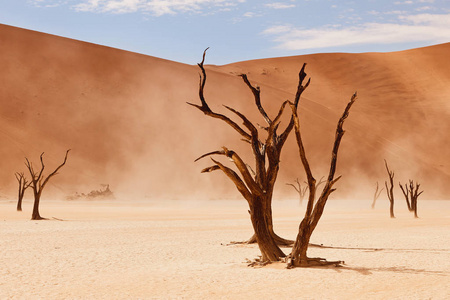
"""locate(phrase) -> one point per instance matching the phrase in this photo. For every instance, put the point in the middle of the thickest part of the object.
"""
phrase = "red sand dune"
(125, 117)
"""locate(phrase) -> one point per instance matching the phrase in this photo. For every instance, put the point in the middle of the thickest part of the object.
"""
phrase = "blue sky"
(237, 30)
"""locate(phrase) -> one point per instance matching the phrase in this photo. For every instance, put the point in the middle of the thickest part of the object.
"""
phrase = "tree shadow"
(401, 270)
(369, 249)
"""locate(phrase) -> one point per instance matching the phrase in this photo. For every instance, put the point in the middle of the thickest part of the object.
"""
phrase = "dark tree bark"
(376, 195)
(256, 188)
(23, 185)
(38, 182)
(411, 194)
(298, 257)
(390, 190)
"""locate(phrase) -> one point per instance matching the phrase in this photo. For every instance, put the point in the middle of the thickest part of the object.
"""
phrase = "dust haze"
(125, 117)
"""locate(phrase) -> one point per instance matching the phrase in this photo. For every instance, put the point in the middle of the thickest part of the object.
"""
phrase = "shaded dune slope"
(126, 119)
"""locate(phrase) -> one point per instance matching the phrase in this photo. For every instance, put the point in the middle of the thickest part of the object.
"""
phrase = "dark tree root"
(279, 240)
(39, 218)
(283, 242)
(252, 240)
(310, 262)
(257, 262)
(315, 262)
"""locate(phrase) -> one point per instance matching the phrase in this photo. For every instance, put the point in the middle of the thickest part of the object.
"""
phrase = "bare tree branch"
(256, 93)
(207, 110)
(236, 180)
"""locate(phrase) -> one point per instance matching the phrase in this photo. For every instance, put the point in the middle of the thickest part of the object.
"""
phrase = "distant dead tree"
(376, 195)
(299, 189)
(390, 190)
(38, 182)
(23, 185)
(256, 187)
(302, 190)
(298, 257)
(411, 194)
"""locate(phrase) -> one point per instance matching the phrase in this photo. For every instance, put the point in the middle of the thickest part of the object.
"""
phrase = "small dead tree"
(299, 189)
(23, 185)
(298, 257)
(405, 192)
(411, 194)
(302, 191)
(390, 190)
(256, 188)
(38, 182)
(376, 195)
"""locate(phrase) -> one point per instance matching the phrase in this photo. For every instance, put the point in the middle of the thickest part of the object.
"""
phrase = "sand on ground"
(178, 250)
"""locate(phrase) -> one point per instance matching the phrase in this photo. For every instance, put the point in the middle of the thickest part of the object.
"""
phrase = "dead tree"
(38, 182)
(302, 191)
(411, 194)
(376, 195)
(256, 188)
(405, 192)
(299, 189)
(298, 257)
(23, 185)
(390, 191)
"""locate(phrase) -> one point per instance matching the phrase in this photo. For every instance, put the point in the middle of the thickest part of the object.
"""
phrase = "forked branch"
(314, 212)
(240, 165)
(411, 194)
(207, 110)
(300, 89)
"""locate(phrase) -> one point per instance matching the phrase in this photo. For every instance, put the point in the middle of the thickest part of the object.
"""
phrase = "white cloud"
(424, 8)
(155, 7)
(403, 2)
(278, 29)
(396, 12)
(279, 5)
(433, 28)
(47, 3)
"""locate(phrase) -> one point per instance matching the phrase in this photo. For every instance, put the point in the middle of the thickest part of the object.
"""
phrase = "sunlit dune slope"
(125, 117)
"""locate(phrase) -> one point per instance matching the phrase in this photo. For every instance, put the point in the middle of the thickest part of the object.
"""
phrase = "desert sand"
(178, 250)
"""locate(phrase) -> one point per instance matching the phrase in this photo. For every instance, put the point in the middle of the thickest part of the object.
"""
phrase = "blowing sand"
(177, 249)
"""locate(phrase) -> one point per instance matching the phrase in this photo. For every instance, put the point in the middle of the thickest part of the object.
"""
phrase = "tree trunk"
(36, 215)
(414, 207)
(391, 208)
(410, 208)
(390, 190)
(19, 201)
(267, 245)
(278, 240)
(299, 257)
